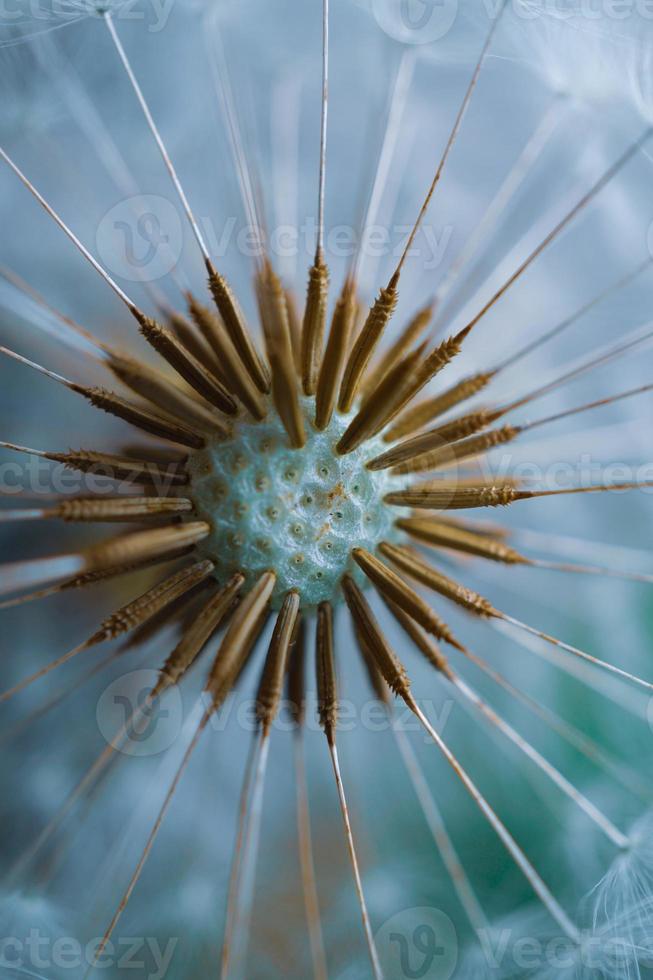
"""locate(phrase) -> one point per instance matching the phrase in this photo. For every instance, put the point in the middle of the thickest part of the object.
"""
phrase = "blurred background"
(564, 90)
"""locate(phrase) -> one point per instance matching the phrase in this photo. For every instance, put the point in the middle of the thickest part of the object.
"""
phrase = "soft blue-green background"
(596, 67)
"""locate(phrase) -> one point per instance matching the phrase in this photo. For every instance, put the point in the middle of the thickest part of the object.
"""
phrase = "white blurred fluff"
(622, 902)
(523, 947)
(586, 57)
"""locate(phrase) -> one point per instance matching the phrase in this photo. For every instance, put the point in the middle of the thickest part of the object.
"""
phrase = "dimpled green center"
(298, 512)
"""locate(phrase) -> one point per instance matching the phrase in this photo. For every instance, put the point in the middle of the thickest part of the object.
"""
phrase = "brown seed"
(191, 370)
(120, 508)
(189, 336)
(325, 672)
(131, 616)
(296, 683)
(376, 409)
(386, 660)
(198, 633)
(375, 677)
(422, 572)
(142, 418)
(142, 609)
(401, 346)
(149, 383)
(452, 497)
(114, 467)
(342, 326)
(430, 367)
(456, 452)
(365, 344)
(424, 412)
(444, 535)
(243, 632)
(142, 545)
(314, 322)
(424, 643)
(393, 588)
(452, 431)
(234, 321)
(274, 317)
(234, 373)
(271, 683)
(295, 324)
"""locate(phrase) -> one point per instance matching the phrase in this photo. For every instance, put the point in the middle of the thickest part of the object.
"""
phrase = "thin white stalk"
(616, 768)
(20, 575)
(234, 877)
(604, 684)
(612, 832)
(285, 140)
(309, 881)
(497, 208)
(582, 654)
(224, 93)
(157, 136)
(395, 116)
(243, 898)
(435, 821)
(569, 546)
(23, 514)
(371, 945)
(323, 127)
(120, 293)
(26, 303)
(578, 314)
(578, 207)
(453, 136)
(88, 780)
(26, 362)
(62, 74)
(601, 570)
(15, 730)
(551, 904)
(198, 729)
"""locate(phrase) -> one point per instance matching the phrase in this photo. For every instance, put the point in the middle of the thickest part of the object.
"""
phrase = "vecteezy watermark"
(31, 954)
(141, 238)
(416, 21)
(418, 944)
(590, 10)
(508, 953)
(375, 241)
(137, 725)
(426, 21)
(35, 475)
(370, 715)
(154, 14)
(584, 471)
(134, 722)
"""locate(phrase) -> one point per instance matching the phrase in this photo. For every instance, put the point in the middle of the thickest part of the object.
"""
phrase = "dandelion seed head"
(298, 511)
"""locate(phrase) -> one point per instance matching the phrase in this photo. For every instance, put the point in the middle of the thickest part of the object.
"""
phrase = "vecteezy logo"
(418, 944)
(416, 21)
(140, 238)
(134, 724)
